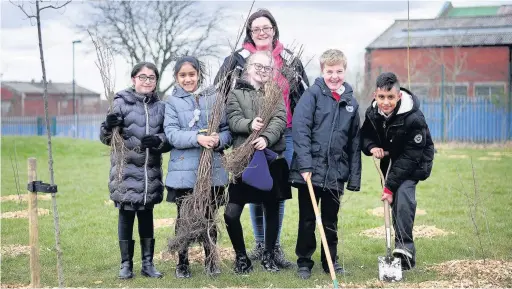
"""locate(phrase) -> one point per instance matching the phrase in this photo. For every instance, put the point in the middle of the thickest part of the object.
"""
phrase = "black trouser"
(211, 234)
(232, 215)
(126, 220)
(404, 212)
(306, 241)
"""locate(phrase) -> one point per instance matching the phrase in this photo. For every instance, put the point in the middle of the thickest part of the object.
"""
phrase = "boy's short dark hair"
(387, 81)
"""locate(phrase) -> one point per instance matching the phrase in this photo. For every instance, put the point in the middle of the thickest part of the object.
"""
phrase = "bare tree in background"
(157, 31)
(39, 7)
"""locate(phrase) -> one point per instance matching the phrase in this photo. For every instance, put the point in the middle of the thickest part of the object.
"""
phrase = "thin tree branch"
(55, 7)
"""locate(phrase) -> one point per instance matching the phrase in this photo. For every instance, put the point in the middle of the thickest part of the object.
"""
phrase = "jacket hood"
(408, 103)
(129, 95)
(178, 91)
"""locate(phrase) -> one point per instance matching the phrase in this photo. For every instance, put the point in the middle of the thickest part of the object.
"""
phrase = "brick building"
(465, 50)
(26, 99)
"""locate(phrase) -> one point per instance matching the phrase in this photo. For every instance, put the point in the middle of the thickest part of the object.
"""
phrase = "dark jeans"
(256, 210)
(329, 203)
(404, 211)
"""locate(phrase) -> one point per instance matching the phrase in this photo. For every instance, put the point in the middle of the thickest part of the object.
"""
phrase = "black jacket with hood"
(326, 139)
(405, 135)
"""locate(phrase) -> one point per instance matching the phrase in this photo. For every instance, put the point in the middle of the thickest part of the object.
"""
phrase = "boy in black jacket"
(394, 123)
(326, 150)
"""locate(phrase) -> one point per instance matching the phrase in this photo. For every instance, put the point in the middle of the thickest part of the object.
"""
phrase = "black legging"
(232, 215)
(212, 234)
(126, 220)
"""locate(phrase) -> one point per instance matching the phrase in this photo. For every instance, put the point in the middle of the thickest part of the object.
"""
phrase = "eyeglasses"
(264, 29)
(144, 78)
(259, 67)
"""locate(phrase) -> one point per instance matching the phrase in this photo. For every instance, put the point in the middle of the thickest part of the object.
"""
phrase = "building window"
(6, 106)
(63, 104)
(490, 91)
(452, 91)
(90, 101)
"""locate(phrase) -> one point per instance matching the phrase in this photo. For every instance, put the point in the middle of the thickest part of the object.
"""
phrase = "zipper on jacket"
(376, 131)
(146, 100)
(389, 126)
(330, 140)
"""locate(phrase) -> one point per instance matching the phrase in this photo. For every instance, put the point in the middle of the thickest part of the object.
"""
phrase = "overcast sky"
(346, 25)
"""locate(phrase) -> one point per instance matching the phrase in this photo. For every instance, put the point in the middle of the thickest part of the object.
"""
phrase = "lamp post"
(74, 101)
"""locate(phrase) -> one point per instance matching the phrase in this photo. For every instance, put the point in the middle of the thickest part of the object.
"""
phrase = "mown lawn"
(89, 224)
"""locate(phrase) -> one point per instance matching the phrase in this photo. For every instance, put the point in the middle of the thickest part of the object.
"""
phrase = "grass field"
(479, 221)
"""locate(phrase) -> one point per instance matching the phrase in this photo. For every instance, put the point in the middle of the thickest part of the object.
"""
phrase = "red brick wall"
(462, 64)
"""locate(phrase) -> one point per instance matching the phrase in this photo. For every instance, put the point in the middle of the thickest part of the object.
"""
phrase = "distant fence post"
(40, 126)
(54, 125)
(443, 137)
(509, 111)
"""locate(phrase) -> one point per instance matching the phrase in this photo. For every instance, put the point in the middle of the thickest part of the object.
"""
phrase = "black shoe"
(268, 261)
(147, 248)
(183, 271)
(406, 258)
(212, 270)
(126, 269)
(257, 252)
(337, 269)
(280, 259)
(304, 272)
(243, 264)
(211, 267)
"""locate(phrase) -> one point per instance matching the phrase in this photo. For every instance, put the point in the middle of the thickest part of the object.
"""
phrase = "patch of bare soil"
(163, 223)
(421, 231)
(3, 285)
(24, 214)
(500, 154)
(477, 273)
(458, 156)
(108, 202)
(15, 250)
(24, 198)
(489, 159)
(379, 212)
(196, 255)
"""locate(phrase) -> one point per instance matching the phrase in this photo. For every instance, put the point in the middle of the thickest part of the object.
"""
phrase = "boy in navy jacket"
(395, 124)
(326, 150)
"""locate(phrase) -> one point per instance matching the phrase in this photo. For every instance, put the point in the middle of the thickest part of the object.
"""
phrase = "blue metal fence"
(479, 121)
(84, 127)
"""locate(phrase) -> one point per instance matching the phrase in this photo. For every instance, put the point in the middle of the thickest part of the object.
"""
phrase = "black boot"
(210, 264)
(183, 267)
(126, 270)
(268, 261)
(147, 248)
(257, 252)
(243, 264)
(281, 261)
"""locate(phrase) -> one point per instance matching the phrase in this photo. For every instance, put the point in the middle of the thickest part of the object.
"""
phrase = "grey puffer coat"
(141, 184)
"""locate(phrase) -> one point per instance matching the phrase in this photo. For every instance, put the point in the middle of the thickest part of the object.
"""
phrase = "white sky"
(346, 25)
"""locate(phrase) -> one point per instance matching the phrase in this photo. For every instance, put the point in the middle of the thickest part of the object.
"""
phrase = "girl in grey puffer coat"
(139, 115)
